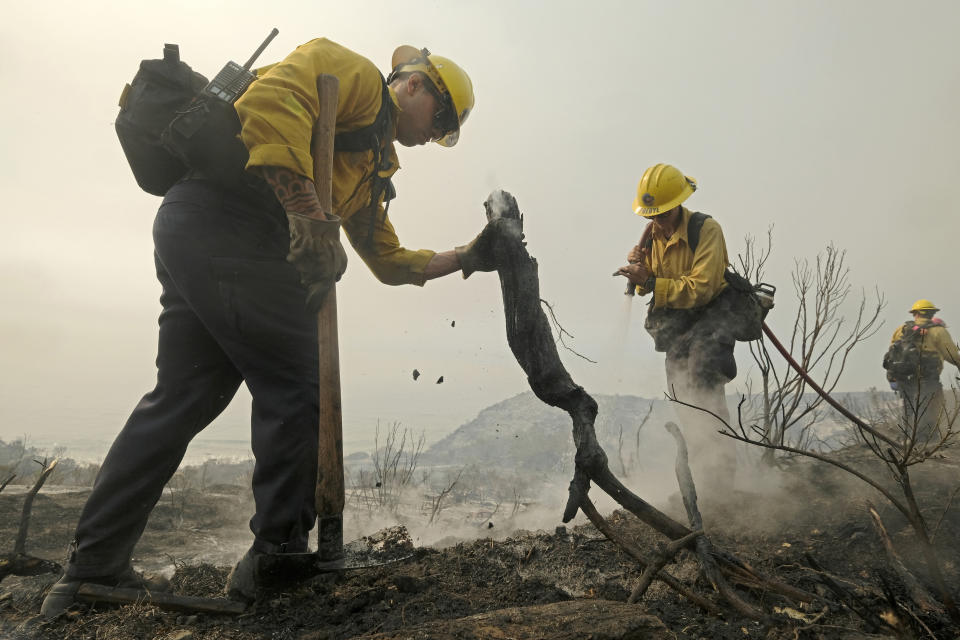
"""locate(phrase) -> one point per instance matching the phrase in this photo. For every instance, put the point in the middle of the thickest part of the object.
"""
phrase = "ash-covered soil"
(564, 583)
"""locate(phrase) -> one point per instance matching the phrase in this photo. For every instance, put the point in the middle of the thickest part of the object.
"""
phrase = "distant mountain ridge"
(524, 432)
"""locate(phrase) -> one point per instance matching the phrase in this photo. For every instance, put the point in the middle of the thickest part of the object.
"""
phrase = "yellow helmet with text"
(662, 188)
(450, 82)
(923, 305)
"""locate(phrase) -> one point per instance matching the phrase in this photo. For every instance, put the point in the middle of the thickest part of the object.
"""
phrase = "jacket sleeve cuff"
(398, 269)
(418, 265)
(279, 155)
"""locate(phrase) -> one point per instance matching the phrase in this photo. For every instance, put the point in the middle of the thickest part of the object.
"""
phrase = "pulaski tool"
(330, 489)
(393, 544)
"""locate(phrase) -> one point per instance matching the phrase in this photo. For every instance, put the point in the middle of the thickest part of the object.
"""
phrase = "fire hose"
(766, 292)
(806, 378)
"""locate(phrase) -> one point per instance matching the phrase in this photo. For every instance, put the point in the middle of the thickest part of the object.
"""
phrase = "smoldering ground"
(496, 544)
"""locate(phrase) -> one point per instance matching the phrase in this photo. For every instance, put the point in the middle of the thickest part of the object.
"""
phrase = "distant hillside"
(522, 432)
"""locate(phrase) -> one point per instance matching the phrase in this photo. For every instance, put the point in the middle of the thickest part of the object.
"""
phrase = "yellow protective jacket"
(277, 114)
(686, 279)
(936, 341)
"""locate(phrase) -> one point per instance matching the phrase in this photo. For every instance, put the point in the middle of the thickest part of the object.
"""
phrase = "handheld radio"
(233, 80)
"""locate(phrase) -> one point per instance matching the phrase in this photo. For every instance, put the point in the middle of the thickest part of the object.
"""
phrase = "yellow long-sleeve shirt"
(687, 279)
(936, 341)
(277, 114)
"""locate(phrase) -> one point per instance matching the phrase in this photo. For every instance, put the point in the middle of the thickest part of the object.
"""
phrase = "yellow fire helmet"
(452, 84)
(662, 188)
(923, 305)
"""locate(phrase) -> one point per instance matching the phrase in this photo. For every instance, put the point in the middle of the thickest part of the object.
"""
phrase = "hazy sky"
(833, 121)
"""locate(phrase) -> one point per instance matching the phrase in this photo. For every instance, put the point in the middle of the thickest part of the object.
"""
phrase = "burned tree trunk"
(531, 340)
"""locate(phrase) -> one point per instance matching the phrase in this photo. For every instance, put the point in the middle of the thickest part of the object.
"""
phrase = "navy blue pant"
(233, 311)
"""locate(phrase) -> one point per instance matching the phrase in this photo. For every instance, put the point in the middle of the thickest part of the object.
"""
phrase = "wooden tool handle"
(632, 288)
(330, 488)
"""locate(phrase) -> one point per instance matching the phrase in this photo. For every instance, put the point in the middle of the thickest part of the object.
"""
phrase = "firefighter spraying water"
(698, 308)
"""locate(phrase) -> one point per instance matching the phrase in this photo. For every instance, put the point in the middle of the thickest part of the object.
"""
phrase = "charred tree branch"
(703, 545)
(916, 590)
(651, 569)
(664, 557)
(21, 541)
(89, 592)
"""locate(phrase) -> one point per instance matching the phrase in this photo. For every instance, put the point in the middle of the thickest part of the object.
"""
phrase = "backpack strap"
(693, 229)
(372, 135)
(370, 138)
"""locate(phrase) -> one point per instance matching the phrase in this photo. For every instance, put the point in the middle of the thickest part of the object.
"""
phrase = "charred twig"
(6, 481)
(561, 331)
(436, 505)
(919, 595)
(598, 521)
(704, 547)
(45, 471)
(665, 556)
(920, 623)
(853, 602)
(742, 573)
(936, 527)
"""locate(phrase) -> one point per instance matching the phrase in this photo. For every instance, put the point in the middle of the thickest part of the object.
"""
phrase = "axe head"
(384, 547)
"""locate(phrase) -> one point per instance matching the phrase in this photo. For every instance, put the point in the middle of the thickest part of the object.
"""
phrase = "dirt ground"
(567, 583)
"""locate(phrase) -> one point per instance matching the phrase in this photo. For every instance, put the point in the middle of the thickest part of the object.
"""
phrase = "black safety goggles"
(445, 117)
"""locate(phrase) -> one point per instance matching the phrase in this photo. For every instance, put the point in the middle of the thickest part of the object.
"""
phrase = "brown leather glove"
(478, 254)
(316, 252)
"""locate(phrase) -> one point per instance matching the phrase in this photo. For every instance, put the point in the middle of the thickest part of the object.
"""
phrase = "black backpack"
(147, 106)
(906, 358)
(739, 298)
(167, 126)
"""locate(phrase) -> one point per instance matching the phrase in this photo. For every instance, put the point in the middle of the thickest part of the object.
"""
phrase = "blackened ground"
(822, 516)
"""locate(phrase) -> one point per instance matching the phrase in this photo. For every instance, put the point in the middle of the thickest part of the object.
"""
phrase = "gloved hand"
(478, 254)
(636, 273)
(316, 252)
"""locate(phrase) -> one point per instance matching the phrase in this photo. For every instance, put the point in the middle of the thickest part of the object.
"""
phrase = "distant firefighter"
(914, 362)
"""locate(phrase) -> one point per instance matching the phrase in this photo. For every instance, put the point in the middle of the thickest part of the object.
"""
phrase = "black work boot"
(244, 578)
(269, 565)
(63, 593)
